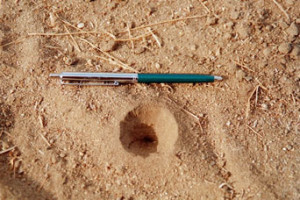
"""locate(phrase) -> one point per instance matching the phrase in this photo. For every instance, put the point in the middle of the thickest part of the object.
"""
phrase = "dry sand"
(233, 139)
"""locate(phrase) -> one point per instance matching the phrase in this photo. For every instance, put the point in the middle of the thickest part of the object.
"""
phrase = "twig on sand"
(7, 133)
(64, 34)
(256, 91)
(261, 85)
(256, 95)
(13, 42)
(243, 66)
(154, 36)
(74, 41)
(7, 150)
(68, 23)
(113, 62)
(130, 36)
(249, 101)
(293, 98)
(167, 21)
(84, 33)
(43, 183)
(282, 9)
(120, 63)
(181, 107)
(254, 131)
(45, 140)
(133, 38)
(206, 8)
(102, 31)
(188, 112)
(225, 184)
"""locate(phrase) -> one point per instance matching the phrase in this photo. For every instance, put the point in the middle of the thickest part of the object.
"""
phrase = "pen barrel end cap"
(54, 75)
(219, 78)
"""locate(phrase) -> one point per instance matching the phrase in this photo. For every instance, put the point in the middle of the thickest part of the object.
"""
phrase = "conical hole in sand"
(148, 129)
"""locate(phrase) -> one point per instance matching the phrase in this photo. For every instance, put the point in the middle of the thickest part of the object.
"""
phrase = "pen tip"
(218, 78)
(54, 75)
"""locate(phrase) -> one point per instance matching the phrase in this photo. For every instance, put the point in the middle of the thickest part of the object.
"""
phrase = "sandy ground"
(233, 139)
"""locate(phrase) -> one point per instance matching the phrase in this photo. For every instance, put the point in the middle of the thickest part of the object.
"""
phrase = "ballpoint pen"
(88, 78)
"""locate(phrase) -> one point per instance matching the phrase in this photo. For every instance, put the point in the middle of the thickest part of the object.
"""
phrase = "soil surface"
(231, 139)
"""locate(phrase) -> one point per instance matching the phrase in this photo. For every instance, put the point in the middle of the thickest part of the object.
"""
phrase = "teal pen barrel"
(174, 78)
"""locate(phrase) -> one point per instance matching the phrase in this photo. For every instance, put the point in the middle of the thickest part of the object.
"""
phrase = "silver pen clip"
(107, 83)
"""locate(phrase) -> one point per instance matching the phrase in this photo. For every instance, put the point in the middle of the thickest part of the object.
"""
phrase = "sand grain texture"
(233, 139)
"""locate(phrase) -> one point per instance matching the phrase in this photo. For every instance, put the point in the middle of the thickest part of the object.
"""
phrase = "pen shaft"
(174, 78)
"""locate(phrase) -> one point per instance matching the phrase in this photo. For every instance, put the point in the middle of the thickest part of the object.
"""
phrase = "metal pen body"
(88, 78)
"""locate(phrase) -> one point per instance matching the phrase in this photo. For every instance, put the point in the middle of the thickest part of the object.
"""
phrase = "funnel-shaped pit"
(148, 129)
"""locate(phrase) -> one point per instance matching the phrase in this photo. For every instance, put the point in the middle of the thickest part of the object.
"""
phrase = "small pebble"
(212, 163)
(293, 30)
(89, 62)
(265, 44)
(234, 15)
(248, 78)
(240, 74)
(263, 64)
(269, 27)
(296, 51)
(54, 159)
(229, 25)
(81, 154)
(5, 145)
(80, 25)
(263, 13)
(267, 52)
(62, 155)
(228, 123)
(109, 45)
(20, 170)
(1, 36)
(218, 52)
(285, 48)
(290, 2)
(52, 19)
(139, 50)
(131, 25)
(289, 147)
(264, 106)
(283, 24)
(211, 21)
(254, 124)
(157, 66)
(244, 31)
(150, 10)
(227, 36)
(282, 61)
(69, 60)
(112, 5)
(194, 47)
(232, 68)
(123, 25)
